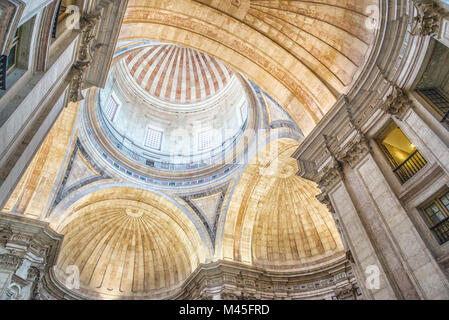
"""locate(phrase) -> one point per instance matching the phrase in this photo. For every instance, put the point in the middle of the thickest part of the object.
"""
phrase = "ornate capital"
(329, 175)
(428, 20)
(355, 150)
(29, 248)
(397, 103)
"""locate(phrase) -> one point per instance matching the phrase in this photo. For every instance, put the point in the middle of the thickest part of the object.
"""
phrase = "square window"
(111, 109)
(204, 140)
(153, 139)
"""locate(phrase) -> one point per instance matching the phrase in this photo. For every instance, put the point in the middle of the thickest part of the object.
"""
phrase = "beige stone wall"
(35, 190)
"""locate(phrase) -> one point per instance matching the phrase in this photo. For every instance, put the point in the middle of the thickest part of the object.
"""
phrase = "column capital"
(429, 18)
(397, 103)
(355, 150)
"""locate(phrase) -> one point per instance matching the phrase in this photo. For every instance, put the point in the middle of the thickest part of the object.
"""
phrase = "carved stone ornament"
(88, 27)
(397, 103)
(345, 293)
(428, 20)
(329, 175)
(355, 150)
(324, 199)
(10, 261)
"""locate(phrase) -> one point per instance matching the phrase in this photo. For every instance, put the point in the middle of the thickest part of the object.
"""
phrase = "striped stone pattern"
(176, 74)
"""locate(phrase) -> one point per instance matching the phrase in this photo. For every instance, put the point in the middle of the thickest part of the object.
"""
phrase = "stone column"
(376, 228)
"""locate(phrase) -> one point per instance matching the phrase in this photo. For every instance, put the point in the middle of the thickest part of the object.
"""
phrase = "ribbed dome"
(305, 54)
(129, 243)
(177, 74)
(274, 220)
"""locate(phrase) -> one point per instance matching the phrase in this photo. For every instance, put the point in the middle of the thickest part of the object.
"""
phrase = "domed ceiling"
(128, 243)
(305, 54)
(132, 243)
(170, 113)
(177, 74)
(274, 220)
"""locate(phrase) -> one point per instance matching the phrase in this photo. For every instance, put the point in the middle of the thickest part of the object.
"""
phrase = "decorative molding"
(330, 175)
(429, 18)
(10, 14)
(87, 47)
(211, 229)
(233, 281)
(347, 292)
(324, 199)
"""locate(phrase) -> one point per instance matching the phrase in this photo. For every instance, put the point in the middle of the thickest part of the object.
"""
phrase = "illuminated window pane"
(435, 214)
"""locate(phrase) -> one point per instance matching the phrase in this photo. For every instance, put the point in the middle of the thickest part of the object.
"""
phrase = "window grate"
(438, 99)
(111, 109)
(437, 217)
(153, 139)
(56, 20)
(3, 68)
(204, 140)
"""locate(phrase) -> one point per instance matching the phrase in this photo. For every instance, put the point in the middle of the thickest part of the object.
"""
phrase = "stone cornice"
(231, 280)
(235, 281)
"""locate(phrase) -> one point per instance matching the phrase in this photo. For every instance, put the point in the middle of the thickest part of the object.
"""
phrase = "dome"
(275, 221)
(176, 74)
(170, 112)
(128, 243)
